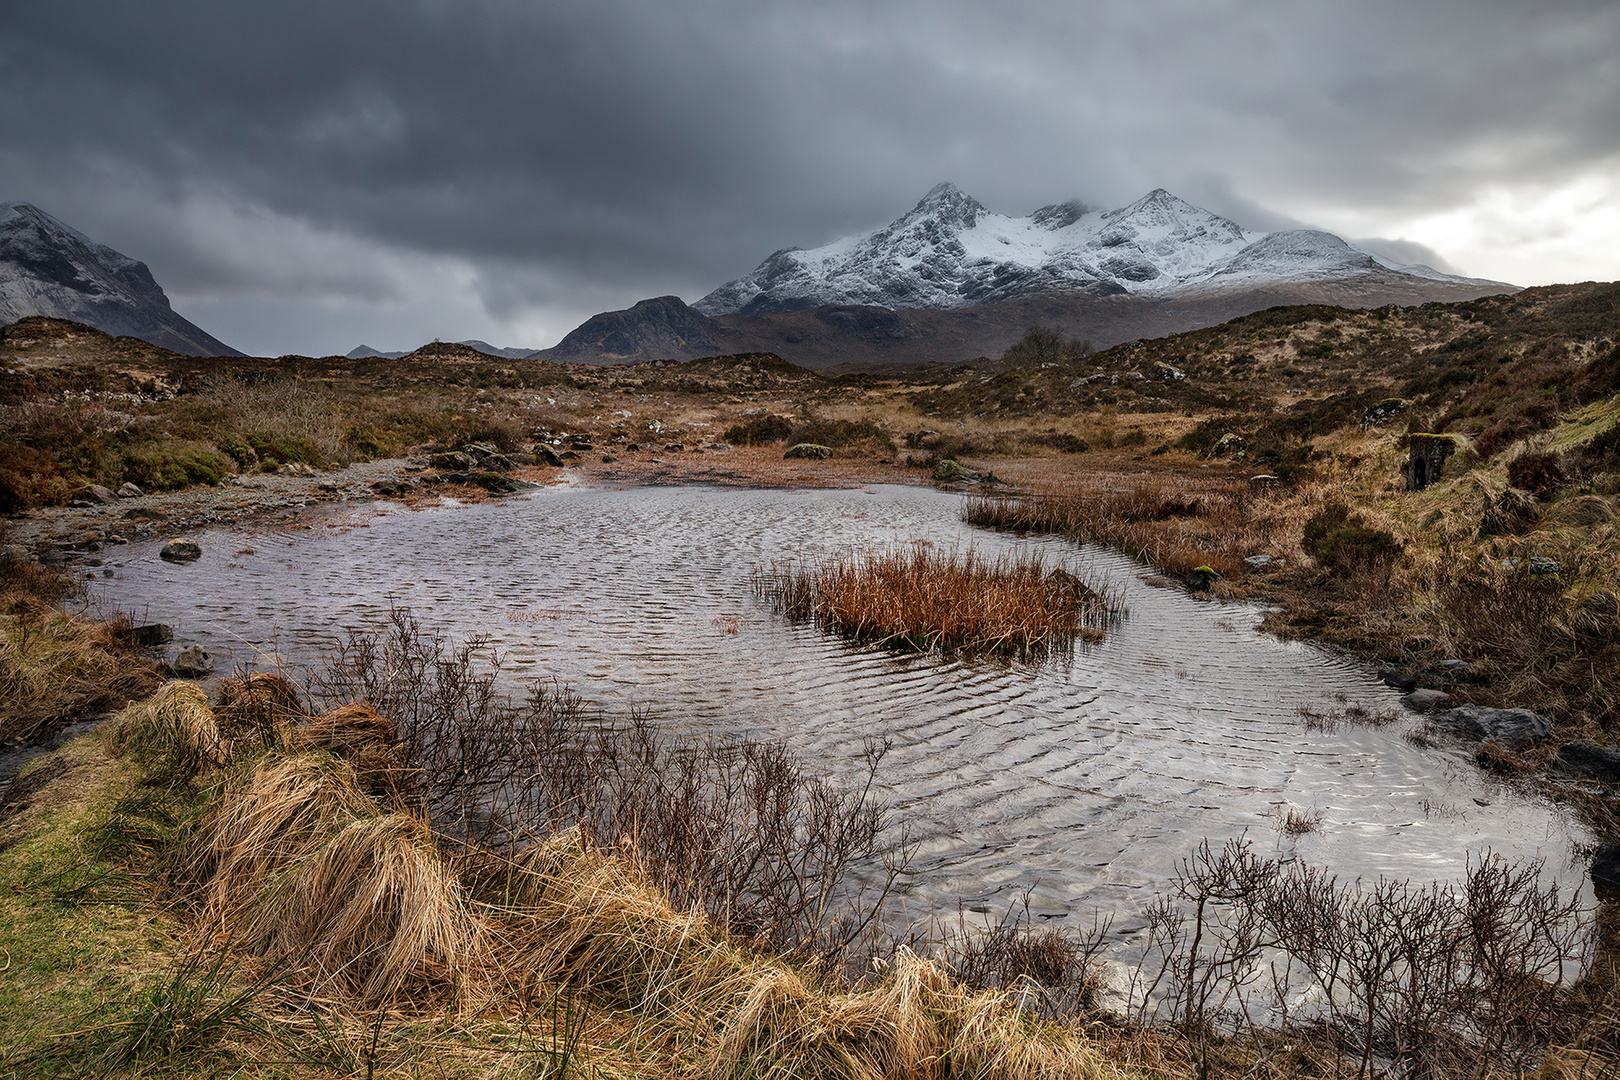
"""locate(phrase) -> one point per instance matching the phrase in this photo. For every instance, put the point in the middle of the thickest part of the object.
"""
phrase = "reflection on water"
(1082, 781)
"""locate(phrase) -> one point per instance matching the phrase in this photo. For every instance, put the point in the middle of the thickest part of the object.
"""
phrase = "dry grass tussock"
(566, 913)
(293, 862)
(1173, 523)
(55, 668)
(925, 600)
(175, 723)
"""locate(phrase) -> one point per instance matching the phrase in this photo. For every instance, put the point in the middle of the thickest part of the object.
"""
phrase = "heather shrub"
(1341, 540)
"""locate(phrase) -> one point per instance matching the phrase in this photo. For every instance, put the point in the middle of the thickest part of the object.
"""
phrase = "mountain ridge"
(950, 252)
(50, 268)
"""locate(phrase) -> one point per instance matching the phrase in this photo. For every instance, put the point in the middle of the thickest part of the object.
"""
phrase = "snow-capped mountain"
(49, 268)
(951, 252)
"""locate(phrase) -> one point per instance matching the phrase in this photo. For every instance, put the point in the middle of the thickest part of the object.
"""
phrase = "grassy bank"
(357, 878)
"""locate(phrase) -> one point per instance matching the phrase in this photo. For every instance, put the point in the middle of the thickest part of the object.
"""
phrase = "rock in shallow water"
(1516, 729)
(1425, 700)
(1588, 761)
(193, 663)
(181, 550)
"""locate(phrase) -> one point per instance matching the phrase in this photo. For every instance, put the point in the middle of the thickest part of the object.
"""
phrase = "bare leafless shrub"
(736, 827)
(1052, 967)
(1394, 978)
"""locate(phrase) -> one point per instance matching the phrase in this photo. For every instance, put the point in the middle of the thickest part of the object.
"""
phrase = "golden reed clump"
(920, 599)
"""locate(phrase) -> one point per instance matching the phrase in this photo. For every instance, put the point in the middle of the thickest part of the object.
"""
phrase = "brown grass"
(1173, 523)
(175, 724)
(55, 668)
(925, 600)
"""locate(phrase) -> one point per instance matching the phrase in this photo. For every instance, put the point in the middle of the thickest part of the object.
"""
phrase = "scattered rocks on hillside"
(812, 450)
(1516, 729)
(1383, 412)
(193, 662)
(95, 493)
(181, 549)
(1424, 701)
(1588, 761)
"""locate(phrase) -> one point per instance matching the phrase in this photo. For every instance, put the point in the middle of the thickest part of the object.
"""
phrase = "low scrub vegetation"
(925, 600)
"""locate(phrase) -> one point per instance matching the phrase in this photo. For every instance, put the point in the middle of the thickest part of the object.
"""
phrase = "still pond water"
(1080, 781)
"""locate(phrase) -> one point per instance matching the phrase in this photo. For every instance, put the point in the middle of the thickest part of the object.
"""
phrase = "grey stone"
(97, 493)
(151, 635)
(193, 662)
(1588, 761)
(1118, 991)
(1606, 869)
(1517, 729)
(815, 450)
(181, 550)
(13, 553)
(1257, 561)
(1425, 700)
(454, 461)
(1399, 680)
(130, 491)
(545, 455)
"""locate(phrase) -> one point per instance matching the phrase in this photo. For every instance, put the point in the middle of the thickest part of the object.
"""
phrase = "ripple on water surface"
(1082, 781)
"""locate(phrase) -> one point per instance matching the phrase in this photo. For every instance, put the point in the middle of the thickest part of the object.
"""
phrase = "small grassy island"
(923, 600)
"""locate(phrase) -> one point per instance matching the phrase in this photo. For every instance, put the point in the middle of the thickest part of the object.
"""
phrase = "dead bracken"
(918, 599)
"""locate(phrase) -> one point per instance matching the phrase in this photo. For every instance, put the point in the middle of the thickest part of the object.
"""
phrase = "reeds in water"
(1175, 525)
(925, 600)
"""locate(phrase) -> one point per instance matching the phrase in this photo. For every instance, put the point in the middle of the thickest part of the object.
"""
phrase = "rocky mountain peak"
(49, 268)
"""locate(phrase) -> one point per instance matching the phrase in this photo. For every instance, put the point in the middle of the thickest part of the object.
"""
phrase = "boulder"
(151, 635)
(1588, 761)
(1606, 870)
(454, 461)
(181, 550)
(1118, 991)
(130, 491)
(1516, 729)
(1425, 700)
(1397, 679)
(1200, 578)
(545, 455)
(193, 663)
(815, 450)
(13, 553)
(1255, 562)
(97, 494)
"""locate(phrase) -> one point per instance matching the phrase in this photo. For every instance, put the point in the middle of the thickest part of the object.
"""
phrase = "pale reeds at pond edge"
(920, 599)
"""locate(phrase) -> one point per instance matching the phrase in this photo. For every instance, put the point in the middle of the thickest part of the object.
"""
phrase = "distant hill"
(50, 269)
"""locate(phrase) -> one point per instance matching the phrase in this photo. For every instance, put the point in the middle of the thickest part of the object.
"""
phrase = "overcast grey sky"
(302, 176)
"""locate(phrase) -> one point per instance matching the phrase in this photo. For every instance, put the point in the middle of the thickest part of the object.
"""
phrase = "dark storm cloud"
(576, 155)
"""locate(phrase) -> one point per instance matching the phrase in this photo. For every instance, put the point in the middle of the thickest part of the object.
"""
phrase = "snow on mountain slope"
(949, 252)
(49, 268)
